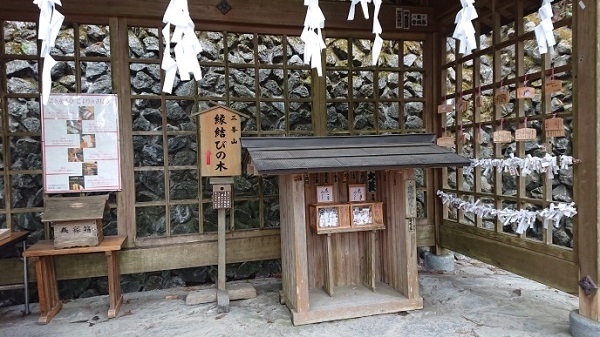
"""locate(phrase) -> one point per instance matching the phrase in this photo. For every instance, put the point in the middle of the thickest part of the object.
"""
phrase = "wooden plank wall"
(398, 243)
(293, 238)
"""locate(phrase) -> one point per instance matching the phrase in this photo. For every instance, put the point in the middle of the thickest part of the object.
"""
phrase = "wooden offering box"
(77, 221)
(329, 218)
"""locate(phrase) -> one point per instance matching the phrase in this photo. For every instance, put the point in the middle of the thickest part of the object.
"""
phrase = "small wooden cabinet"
(346, 217)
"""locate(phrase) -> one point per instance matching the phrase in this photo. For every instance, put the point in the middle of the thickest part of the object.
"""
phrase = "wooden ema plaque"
(502, 137)
(555, 127)
(445, 141)
(444, 108)
(501, 97)
(553, 86)
(525, 134)
(478, 100)
(462, 105)
(525, 92)
(220, 146)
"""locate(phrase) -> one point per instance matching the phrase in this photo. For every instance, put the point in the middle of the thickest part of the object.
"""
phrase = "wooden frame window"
(508, 59)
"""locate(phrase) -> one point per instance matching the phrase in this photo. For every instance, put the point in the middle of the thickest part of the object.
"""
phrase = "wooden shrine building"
(524, 113)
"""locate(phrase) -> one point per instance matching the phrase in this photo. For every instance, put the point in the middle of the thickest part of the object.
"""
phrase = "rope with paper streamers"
(524, 218)
(543, 31)
(187, 45)
(464, 30)
(377, 30)
(49, 25)
(550, 165)
(311, 35)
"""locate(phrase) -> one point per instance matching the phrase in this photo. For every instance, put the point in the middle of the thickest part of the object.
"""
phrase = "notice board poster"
(80, 135)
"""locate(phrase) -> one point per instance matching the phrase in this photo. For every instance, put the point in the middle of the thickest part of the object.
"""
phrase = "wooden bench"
(44, 253)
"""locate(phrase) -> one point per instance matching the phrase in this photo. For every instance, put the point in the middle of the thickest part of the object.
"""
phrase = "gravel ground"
(474, 300)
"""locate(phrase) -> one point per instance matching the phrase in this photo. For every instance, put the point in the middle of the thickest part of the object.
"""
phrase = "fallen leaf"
(172, 297)
(220, 316)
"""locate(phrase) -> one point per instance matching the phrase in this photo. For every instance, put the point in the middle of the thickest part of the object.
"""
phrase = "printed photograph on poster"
(81, 143)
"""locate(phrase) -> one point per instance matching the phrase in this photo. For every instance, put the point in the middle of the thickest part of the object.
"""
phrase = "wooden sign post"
(221, 159)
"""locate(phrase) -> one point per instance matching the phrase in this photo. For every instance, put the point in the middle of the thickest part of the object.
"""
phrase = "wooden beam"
(560, 275)
(141, 260)
(586, 104)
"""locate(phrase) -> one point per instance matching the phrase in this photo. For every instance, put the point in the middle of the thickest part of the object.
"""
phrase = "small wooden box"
(77, 221)
(367, 215)
(4, 233)
(330, 218)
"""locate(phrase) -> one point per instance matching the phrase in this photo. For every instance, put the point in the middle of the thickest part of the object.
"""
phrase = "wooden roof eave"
(287, 155)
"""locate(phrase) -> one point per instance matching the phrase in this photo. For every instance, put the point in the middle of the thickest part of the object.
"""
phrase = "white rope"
(550, 165)
(524, 218)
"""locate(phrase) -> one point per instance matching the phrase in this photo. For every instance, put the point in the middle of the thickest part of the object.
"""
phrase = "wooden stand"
(12, 239)
(349, 271)
(45, 270)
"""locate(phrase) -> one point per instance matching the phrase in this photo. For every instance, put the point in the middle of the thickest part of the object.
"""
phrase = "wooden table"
(45, 271)
(9, 242)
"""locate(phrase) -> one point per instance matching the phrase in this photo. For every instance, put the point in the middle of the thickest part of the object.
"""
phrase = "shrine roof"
(285, 155)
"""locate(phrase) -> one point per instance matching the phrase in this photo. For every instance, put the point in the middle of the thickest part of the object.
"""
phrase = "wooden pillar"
(586, 106)
(120, 81)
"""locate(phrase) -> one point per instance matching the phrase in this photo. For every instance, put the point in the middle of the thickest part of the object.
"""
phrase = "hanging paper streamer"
(377, 30)
(547, 164)
(186, 48)
(464, 30)
(523, 218)
(543, 32)
(49, 25)
(311, 35)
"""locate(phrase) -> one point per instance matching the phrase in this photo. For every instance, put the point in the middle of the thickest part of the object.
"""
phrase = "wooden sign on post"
(220, 146)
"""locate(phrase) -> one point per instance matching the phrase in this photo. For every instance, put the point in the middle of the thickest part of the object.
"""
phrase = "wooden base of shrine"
(353, 301)
(238, 291)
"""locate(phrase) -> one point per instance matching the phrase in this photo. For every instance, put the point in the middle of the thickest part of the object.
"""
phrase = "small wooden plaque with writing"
(478, 101)
(553, 86)
(445, 141)
(555, 127)
(501, 97)
(462, 105)
(525, 92)
(502, 137)
(445, 107)
(525, 134)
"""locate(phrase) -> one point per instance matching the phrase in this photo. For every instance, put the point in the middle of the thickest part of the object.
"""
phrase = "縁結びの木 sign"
(220, 146)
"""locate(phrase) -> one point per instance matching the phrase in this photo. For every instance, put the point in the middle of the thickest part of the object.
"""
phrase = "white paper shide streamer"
(187, 45)
(543, 32)
(311, 35)
(49, 25)
(464, 30)
(523, 218)
(377, 30)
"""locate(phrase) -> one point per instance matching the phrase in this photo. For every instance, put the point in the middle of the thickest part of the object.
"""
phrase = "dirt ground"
(474, 300)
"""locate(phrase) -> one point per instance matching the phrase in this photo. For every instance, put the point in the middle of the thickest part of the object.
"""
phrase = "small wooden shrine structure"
(348, 206)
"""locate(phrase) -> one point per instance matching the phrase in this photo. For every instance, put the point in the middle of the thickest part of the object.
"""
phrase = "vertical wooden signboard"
(220, 147)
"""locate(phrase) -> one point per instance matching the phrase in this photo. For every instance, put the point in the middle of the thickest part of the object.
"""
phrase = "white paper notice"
(81, 143)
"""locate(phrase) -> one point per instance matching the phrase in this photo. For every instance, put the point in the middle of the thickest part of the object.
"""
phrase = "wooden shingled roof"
(284, 155)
